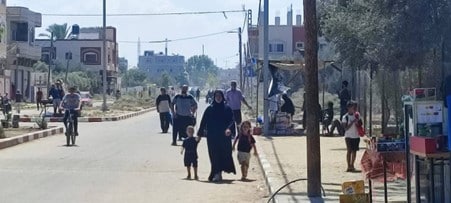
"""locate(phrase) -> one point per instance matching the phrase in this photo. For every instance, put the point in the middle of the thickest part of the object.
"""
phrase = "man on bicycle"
(71, 104)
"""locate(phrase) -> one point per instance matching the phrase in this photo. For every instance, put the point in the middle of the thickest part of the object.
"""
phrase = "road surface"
(125, 161)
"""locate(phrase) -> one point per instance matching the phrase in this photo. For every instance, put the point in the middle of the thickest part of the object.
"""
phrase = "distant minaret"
(166, 47)
(139, 48)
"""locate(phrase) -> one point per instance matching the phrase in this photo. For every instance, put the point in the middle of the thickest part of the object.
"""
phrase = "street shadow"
(224, 181)
(344, 149)
(248, 180)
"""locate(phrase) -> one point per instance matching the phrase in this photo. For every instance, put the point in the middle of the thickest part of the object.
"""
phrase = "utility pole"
(50, 62)
(105, 60)
(241, 58)
(265, 67)
(312, 100)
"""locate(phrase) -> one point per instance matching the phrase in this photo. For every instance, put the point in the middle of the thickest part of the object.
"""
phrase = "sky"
(221, 48)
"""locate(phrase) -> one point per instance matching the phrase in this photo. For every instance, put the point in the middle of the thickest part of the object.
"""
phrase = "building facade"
(22, 52)
(85, 49)
(4, 73)
(157, 64)
(286, 41)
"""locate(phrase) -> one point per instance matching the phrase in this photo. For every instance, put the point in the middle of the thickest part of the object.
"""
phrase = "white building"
(4, 73)
(86, 50)
(22, 53)
(157, 64)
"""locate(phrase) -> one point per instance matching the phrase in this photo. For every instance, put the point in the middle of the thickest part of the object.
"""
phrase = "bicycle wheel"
(69, 133)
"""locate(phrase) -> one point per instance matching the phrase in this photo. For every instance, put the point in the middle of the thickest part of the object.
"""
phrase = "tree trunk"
(312, 100)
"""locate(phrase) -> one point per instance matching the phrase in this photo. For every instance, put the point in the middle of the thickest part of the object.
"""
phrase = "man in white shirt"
(352, 138)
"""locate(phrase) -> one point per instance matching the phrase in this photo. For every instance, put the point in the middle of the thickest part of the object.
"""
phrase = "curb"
(267, 170)
(13, 141)
(90, 119)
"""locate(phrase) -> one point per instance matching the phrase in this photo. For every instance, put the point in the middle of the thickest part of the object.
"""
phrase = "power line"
(143, 14)
(179, 39)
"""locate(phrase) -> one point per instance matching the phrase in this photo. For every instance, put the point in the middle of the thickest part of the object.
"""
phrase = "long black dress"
(216, 119)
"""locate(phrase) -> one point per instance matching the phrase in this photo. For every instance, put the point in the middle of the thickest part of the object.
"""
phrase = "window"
(299, 45)
(90, 58)
(90, 55)
(276, 48)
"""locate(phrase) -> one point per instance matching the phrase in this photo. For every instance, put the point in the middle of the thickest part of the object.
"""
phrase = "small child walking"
(189, 146)
(245, 143)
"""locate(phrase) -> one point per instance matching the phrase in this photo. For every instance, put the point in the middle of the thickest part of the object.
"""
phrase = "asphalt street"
(125, 161)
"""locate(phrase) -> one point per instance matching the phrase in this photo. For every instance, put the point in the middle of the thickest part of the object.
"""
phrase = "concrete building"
(86, 50)
(22, 52)
(4, 73)
(157, 64)
(286, 41)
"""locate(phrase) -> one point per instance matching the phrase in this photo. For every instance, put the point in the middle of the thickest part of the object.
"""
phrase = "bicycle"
(70, 131)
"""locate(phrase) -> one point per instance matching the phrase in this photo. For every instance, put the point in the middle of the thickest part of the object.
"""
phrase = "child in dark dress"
(190, 147)
(245, 143)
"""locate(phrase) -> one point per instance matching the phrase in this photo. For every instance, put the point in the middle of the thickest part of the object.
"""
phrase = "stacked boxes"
(282, 124)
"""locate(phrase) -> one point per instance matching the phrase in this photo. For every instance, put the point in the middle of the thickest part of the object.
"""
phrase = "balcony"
(24, 50)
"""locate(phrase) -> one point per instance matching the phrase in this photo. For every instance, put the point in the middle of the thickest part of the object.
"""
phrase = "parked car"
(86, 99)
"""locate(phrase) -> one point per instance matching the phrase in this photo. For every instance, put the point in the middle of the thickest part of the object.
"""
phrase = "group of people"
(218, 125)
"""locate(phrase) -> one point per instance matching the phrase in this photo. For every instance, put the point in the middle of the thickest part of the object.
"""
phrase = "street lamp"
(240, 53)
(51, 55)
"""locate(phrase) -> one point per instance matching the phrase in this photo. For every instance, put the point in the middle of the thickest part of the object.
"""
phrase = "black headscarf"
(216, 104)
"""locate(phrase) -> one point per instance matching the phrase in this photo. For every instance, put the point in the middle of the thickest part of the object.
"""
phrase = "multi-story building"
(286, 42)
(157, 64)
(85, 49)
(4, 73)
(22, 52)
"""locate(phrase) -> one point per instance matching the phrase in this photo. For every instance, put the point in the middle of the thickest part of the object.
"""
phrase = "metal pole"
(265, 66)
(104, 57)
(50, 61)
(67, 71)
(241, 56)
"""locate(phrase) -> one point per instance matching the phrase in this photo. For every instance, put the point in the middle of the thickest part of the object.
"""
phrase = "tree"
(199, 67)
(165, 80)
(41, 67)
(392, 36)
(59, 31)
(134, 77)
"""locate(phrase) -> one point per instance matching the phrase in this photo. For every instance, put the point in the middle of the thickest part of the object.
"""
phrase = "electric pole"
(312, 100)
(104, 58)
(241, 56)
(265, 67)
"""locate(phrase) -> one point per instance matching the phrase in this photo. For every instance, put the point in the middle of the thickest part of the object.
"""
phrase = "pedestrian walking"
(245, 143)
(163, 108)
(234, 98)
(183, 108)
(352, 138)
(344, 96)
(56, 98)
(216, 125)
(18, 103)
(287, 106)
(189, 146)
(198, 94)
(39, 96)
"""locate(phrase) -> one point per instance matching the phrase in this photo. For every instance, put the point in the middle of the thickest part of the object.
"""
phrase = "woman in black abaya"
(216, 125)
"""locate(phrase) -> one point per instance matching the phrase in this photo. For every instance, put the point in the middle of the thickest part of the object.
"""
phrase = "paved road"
(126, 161)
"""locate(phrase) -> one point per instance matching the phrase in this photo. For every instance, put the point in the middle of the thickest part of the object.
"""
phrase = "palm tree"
(59, 31)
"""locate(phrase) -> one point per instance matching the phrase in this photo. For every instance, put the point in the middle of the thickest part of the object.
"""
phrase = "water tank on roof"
(75, 29)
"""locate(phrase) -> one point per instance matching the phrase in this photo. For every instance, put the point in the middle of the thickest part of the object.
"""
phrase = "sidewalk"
(31, 115)
(284, 159)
